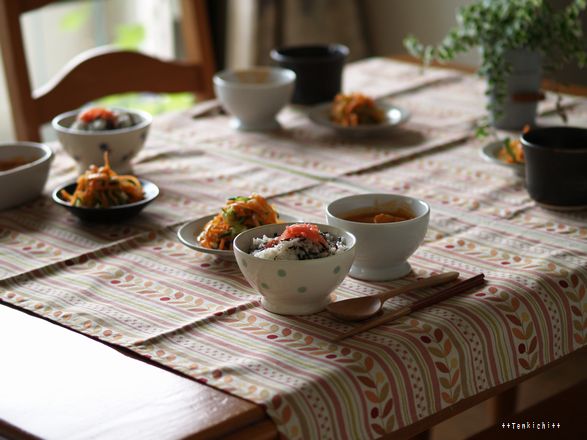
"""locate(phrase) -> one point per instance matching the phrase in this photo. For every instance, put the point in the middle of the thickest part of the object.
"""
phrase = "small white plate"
(188, 233)
(394, 116)
(490, 153)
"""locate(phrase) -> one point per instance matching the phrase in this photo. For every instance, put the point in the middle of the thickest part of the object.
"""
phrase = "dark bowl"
(107, 215)
(556, 166)
(318, 70)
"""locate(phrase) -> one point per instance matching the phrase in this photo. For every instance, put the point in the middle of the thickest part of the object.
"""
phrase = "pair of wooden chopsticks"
(417, 305)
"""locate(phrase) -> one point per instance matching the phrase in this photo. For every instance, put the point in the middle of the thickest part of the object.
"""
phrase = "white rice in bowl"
(299, 248)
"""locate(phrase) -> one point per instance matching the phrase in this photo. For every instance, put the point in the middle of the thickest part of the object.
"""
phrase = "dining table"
(118, 330)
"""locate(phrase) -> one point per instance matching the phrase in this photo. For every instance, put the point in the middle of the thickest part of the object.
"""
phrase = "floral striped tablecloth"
(136, 286)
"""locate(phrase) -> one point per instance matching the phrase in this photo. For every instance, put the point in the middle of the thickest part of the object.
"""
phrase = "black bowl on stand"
(556, 166)
(318, 70)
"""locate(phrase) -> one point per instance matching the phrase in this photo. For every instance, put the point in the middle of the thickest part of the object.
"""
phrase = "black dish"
(107, 215)
(318, 70)
(556, 166)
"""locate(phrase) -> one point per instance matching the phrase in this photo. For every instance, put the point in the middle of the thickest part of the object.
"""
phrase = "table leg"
(504, 404)
(424, 435)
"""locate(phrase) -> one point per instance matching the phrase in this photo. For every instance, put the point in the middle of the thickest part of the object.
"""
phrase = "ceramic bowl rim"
(528, 144)
(296, 262)
(379, 225)
(285, 78)
(146, 120)
(336, 51)
(48, 155)
(57, 199)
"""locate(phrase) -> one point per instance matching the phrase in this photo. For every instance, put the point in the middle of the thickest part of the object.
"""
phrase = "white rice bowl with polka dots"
(288, 284)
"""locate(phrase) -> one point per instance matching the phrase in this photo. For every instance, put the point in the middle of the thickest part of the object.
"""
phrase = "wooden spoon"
(357, 309)
(435, 298)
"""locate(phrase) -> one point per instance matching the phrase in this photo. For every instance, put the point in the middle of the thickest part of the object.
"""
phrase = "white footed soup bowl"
(254, 96)
(293, 287)
(383, 249)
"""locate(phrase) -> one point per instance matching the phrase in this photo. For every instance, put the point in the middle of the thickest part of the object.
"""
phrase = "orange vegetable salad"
(239, 214)
(512, 151)
(355, 109)
(102, 188)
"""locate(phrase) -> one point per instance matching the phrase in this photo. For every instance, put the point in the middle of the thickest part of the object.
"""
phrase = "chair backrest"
(83, 78)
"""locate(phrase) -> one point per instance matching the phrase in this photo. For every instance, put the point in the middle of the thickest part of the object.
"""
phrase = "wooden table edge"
(252, 418)
(463, 405)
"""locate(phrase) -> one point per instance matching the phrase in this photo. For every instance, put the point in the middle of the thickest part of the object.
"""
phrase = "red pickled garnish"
(272, 243)
(306, 230)
(94, 113)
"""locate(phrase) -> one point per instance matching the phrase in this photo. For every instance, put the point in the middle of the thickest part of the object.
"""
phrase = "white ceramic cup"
(254, 96)
(383, 249)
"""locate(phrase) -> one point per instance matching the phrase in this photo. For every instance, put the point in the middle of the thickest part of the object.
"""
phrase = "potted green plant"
(517, 40)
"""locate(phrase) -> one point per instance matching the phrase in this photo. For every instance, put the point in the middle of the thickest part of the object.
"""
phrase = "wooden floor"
(530, 392)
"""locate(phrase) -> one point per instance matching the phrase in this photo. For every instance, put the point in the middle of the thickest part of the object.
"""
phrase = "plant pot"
(523, 90)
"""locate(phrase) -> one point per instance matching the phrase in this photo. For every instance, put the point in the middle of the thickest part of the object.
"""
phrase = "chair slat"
(125, 71)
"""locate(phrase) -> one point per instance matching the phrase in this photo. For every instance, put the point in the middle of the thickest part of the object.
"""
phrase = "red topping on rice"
(93, 113)
(305, 230)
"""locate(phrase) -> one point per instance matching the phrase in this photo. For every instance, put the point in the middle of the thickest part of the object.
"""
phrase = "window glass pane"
(56, 33)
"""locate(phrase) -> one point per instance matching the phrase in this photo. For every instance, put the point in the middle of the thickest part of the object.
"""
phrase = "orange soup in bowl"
(15, 162)
(375, 215)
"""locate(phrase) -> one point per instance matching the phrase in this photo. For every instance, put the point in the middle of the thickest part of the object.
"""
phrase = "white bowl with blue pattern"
(88, 147)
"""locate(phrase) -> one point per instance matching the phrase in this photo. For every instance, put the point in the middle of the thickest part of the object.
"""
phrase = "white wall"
(392, 20)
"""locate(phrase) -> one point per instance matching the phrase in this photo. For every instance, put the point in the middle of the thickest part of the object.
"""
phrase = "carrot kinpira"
(239, 214)
(355, 109)
(101, 187)
(512, 151)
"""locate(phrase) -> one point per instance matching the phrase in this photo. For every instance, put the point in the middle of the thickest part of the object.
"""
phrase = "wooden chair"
(82, 79)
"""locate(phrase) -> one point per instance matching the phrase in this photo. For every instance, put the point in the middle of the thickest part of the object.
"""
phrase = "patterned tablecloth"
(136, 286)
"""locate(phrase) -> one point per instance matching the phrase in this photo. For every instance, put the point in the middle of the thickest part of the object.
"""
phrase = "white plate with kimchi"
(214, 233)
